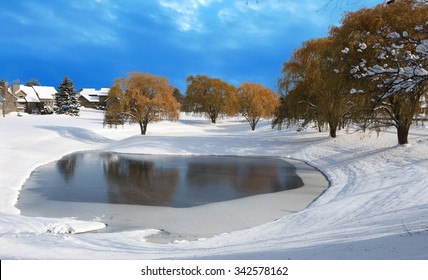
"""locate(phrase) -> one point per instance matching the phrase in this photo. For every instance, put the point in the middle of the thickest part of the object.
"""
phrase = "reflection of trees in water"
(157, 180)
(67, 166)
(266, 176)
(204, 173)
(139, 181)
(250, 176)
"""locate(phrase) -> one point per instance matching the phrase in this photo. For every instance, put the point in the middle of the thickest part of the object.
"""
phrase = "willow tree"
(257, 101)
(386, 49)
(210, 96)
(314, 86)
(115, 109)
(143, 98)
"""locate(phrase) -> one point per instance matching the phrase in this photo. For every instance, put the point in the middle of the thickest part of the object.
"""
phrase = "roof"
(30, 93)
(93, 95)
(103, 91)
(45, 92)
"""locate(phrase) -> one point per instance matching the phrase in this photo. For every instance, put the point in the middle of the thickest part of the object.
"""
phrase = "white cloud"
(269, 20)
(17, 18)
(101, 8)
(186, 13)
(58, 27)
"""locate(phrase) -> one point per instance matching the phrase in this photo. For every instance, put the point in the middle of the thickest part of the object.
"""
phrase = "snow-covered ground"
(375, 208)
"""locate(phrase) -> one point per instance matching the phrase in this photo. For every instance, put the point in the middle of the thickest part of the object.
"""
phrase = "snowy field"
(375, 208)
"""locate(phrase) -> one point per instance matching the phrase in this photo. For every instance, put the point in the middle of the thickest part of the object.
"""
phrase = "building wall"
(11, 104)
(9, 100)
(3, 90)
(48, 102)
(85, 103)
(103, 101)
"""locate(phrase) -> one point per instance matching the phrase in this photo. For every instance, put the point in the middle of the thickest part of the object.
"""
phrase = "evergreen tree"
(66, 98)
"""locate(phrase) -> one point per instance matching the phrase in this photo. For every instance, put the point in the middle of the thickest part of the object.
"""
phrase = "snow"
(31, 95)
(375, 208)
(422, 48)
(362, 46)
(93, 95)
(45, 92)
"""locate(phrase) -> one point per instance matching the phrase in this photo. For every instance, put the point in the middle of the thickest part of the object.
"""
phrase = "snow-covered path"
(376, 207)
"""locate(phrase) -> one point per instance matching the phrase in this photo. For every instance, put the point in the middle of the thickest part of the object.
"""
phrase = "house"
(27, 101)
(33, 99)
(92, 98)
(46, 95)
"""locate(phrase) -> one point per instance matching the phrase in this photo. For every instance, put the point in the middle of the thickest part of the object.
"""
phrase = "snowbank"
(376, 207)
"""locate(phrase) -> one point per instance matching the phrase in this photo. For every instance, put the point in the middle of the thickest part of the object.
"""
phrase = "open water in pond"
(186, 197)
(154, 180)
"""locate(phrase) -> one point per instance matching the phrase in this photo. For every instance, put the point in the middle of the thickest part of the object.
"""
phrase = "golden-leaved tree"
(141, 98)
(257, 101)
(115, 111)
(314, 87)
(386, 50)
(210, 96)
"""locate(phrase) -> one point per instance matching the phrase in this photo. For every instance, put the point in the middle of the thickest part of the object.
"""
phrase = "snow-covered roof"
(45, 92)
(30, 94)
(93, 95)
(103, 91)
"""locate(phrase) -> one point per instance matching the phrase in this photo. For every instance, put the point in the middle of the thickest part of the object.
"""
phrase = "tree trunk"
(404, 111)
(143, 127)
(333, 132)
(253, 124)
(403, 133)
(333, 128)
(213, 115)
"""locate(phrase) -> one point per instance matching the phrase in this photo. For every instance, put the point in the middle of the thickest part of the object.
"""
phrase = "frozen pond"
(172, 193)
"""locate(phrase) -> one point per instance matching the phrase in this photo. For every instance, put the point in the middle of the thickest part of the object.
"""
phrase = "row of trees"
(215, 97)
(372, 70)
(143, 98)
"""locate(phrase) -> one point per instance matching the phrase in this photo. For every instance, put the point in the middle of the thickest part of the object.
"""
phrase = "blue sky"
(96, 41)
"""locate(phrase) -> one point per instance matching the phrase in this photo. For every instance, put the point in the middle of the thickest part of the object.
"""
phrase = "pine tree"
(66, 99)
